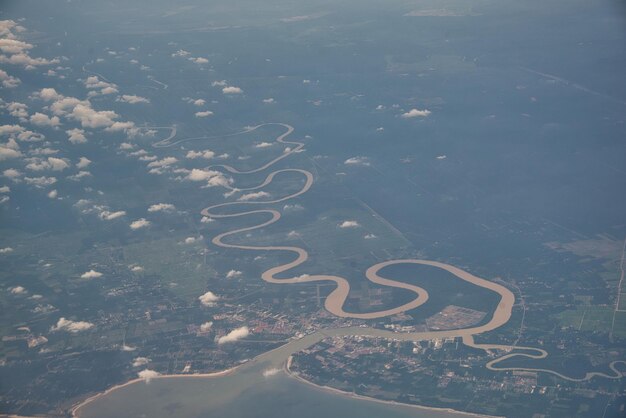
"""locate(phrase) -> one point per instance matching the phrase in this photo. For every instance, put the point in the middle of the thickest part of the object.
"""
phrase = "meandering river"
(250, 390)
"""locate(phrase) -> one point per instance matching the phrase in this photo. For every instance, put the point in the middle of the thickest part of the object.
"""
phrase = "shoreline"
(353, 395)
(74, 410)
(335, 301)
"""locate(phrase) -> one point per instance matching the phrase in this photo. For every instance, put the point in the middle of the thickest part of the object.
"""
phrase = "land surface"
(418, 205)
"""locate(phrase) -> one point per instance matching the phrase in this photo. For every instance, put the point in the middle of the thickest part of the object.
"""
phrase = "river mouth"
(255, 389)
(247, 390)
(259, 388)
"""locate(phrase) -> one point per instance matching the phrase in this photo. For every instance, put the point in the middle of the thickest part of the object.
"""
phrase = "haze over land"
(234, 208)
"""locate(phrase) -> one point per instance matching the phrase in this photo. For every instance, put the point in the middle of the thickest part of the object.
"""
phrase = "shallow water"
(241, 396)
(245, 393)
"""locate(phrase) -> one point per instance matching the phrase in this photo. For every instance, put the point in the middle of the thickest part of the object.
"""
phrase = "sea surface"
(249, 391)
(242, 395)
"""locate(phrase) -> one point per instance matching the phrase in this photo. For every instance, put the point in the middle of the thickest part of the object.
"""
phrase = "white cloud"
(208, 299)
(232, 90)
(271, 372)
(80, 175)
(136, 269)
(140, 361)
(7, 153)
(441, 157)
(49, 94)
(233, 274)
(7, 26)
(206, 327)
(263, 145)
(16, 49)
(17, 110)
(61, 105)
(293, 235)
(199, 60)
(12, 144)
(30, 136)
(109, 90)
(349, 224)
(206, 220)
(139, 223)
(132, 99)
(204, 114)
(164, 162)
(10, 129)
(41, 119)
(71, 326)
(57, 164)
(192, 240)
(234, 335)
(11, 173)
(199, 102)
(26, 60)
(219, 180)
(40, 181)
(253, 196)
(6, 250)
(128, 127)
(106, 215)
(83, 162)
(17, 290)
(93, 82)
(220, 83)
(289, 207)
(76, 136)
(414, 113)
(90, 118)
(162, 207)
(357, 161)
(53, 194)
(5, 189)
(52, 163)
(181, 53)
(82, 203)
(148, 375)
(7, 80)
(213, 178)
(37, 164)
(43, 151)
(269, 100)
(82, 111)
(13, 46)
(206, 154)
(370, 236)
(91, 274)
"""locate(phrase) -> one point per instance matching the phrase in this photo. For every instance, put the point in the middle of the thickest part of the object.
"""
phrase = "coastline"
(352, 395)
(74, 410)
(280, 357)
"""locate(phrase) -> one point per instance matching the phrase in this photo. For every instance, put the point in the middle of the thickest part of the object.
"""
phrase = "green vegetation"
(588, 318)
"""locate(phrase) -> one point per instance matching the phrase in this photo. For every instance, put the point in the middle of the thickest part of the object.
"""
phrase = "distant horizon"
(313, 208)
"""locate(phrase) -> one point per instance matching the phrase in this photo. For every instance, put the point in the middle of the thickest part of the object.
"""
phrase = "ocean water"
(248, 392)
(244, 395)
